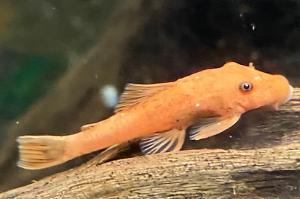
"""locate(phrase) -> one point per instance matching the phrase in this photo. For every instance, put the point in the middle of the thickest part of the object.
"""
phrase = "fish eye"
(246, 86)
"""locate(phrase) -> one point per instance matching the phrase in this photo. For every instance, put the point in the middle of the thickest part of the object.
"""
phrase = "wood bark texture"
(271, 170)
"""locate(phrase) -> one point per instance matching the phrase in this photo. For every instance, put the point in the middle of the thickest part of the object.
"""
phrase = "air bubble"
(253, 26)
(109, 95)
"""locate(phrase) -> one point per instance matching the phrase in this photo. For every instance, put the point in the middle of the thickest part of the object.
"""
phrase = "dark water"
(58, 58)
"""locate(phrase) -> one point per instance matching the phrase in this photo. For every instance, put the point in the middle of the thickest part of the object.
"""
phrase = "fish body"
(209, 102)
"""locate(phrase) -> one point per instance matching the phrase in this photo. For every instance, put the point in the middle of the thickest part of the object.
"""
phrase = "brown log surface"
(271, 170)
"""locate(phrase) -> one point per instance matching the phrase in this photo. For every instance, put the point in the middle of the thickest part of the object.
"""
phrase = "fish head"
(247, 88)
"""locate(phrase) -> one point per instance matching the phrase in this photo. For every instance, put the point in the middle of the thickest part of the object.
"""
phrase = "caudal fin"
(38, 152)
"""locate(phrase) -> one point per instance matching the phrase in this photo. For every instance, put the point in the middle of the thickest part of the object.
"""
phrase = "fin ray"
(135, 93)
(163, 142)
(88, 126)
(38, 152)
(211, 126)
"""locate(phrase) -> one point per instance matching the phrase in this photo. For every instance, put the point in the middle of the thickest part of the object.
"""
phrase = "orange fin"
(88, 126)
(38, 152)
(163, 142)
(134, 93)
(212, 126)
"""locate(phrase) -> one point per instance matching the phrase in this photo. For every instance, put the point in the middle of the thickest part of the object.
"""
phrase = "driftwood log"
(270, 169)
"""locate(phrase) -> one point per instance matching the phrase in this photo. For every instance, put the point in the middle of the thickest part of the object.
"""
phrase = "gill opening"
(241, 107)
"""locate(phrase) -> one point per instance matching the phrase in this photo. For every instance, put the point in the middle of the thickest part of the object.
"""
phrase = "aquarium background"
(63, 63)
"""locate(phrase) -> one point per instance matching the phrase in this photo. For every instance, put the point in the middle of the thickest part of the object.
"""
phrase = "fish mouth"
(288, 98)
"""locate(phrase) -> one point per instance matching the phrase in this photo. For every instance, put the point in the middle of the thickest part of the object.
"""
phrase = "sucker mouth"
(290, 96)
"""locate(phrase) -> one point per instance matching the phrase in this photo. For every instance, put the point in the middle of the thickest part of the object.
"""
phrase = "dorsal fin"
(171, 140)
(88, 126)
(134, 93)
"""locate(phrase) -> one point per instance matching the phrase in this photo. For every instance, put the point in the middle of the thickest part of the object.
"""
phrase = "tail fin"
(38, 152)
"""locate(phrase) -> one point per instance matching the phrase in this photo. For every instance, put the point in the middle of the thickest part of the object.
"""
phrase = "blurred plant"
(52, 25)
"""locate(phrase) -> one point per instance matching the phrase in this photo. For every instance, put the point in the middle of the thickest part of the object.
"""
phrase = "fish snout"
(283, 91)
(290, 95)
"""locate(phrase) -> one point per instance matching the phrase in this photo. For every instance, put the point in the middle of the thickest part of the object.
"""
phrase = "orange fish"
(209, 102)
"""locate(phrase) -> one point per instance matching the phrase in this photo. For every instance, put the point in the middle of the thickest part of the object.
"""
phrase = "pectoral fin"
(163, 142)
(211, 126)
